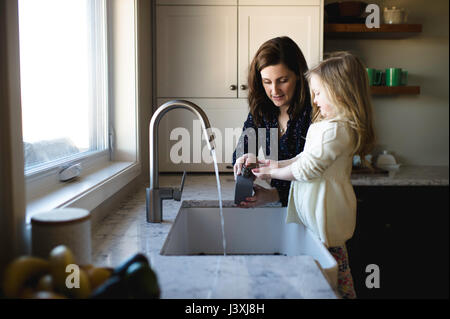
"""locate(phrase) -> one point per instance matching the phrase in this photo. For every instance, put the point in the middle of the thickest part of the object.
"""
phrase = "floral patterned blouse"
(290, 144)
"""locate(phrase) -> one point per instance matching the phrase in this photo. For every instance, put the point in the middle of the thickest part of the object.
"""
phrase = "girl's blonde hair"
(345, 78)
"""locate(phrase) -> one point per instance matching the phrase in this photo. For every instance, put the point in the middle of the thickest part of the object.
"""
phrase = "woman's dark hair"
(275, 51)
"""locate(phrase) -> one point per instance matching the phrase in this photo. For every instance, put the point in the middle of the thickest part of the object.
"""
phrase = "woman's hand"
(244, 159)
(262, 196)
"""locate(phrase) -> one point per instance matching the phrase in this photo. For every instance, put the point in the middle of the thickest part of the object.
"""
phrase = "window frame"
(104, 172)
(99, 128)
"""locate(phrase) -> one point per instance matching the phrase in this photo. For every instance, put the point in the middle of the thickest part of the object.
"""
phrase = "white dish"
(386, 159)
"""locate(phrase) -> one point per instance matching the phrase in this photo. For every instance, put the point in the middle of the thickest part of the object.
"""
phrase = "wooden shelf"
(354, 30)
(395, 90)
(385, 31)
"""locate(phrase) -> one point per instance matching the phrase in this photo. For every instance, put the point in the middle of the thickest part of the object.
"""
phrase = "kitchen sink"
(252, 231)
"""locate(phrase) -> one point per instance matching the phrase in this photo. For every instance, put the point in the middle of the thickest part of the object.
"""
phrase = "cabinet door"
(196, 51)
(404, 231)
(261, 23)
(198, 2)
(279, 2)
(182, 145)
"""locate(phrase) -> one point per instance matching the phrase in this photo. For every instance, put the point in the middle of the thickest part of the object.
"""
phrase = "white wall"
(414, 127)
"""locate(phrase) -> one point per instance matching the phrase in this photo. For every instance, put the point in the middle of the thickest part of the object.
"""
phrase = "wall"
(144, 82)
(122, 82)
(415, 128)
(12, 189)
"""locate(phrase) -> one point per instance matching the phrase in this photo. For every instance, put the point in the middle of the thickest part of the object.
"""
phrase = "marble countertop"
(125, 232)
(406, 176)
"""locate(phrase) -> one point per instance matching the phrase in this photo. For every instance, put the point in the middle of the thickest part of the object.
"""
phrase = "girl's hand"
(268, 163)
(244, 159)
(265, 169)
(262, 196)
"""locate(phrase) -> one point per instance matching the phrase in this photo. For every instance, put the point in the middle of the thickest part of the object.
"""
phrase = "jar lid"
(61, 216)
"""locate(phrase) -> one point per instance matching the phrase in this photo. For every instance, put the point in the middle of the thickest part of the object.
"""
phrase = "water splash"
(216, 168)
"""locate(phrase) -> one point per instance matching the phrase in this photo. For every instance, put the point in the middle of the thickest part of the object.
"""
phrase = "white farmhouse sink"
(254, 231)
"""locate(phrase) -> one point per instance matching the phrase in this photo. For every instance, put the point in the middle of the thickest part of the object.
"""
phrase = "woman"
(278, 98)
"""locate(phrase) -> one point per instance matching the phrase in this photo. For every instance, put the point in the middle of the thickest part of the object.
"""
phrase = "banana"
(19, 271)
(87, 267)
(84, 290)
(60, 257)
(98, 275)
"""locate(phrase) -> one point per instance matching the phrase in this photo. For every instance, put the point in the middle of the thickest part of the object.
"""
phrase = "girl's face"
(279, 83)
(321, 98)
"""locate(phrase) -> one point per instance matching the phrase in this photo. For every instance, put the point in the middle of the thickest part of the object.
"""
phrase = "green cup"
(396, 77)
(374, 76)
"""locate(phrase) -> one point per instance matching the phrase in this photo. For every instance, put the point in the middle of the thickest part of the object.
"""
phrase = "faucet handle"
(177, 192)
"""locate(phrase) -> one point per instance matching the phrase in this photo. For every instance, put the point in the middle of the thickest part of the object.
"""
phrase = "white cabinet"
(203, 50)
(197, 2)
(257, 24)
(196, 51)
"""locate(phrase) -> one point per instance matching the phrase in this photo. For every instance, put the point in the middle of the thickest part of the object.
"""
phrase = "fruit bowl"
(59, 277)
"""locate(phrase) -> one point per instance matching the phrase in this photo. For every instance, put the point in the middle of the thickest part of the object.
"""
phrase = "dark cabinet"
(404, 231)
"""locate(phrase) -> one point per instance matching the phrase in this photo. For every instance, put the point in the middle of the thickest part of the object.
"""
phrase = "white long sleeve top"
(321, 196)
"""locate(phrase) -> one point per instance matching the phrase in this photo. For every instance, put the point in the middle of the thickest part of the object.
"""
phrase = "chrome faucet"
(154, 194)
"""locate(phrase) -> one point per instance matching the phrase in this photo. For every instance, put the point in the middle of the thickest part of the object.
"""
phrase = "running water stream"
(216, 168)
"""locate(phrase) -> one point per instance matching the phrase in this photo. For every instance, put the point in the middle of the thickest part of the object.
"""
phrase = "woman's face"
(279, 83)
(321, 98)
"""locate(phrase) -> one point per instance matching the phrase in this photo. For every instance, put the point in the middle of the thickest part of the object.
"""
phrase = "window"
(63, 69)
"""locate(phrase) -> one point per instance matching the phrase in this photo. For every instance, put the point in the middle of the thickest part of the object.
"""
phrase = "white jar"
(66, 226)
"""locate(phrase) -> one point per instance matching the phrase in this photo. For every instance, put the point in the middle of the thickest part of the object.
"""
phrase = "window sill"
(90, 190)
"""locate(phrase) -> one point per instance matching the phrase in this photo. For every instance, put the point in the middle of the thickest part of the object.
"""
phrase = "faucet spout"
(155, 195)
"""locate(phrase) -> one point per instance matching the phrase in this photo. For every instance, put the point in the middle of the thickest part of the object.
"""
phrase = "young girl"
(321, 194)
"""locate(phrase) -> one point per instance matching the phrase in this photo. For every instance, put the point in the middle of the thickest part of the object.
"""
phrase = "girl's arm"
(278, 164)
(327, 144)
(272, 169)
(287, 162)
